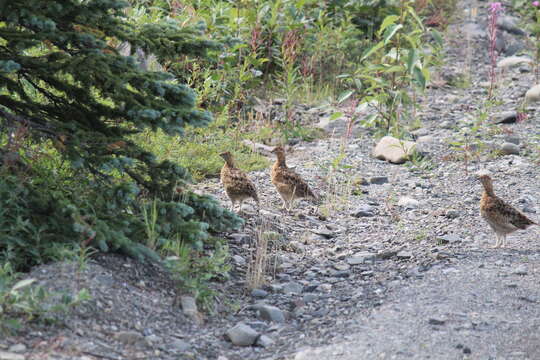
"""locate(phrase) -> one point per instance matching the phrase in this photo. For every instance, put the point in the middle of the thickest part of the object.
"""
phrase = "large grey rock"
(378, 180)
(364, 211)
(292, 288)
(393, 150)
(270, 313)
(242, 335)
(505, 117)
(408, 202)
(17, 348)
(130, 337)
(179, 345)
(510, 149)
(361, 257)
(510, 24)
(264, 341)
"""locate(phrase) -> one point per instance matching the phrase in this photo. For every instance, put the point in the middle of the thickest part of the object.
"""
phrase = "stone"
(309, 298)
(513, 61)
(452, 214)
(189, 308)
(259, 293)
(520, 270)
(361, 257)
(505, 117)
(510, 149)
(242, 335)
(403, 254)
(393, 150)
(292, 288)
(324, 232)
(259, 148)
(532, 95)
(153, 339)
(509, 24)
(179, 345)
(449, 238)
(433, 321)
(270, 313)
(514, 139)
(129, 337)
(364, 211)
(408, 202)
(17, 348)
(5, 355)
(239, 260)
(378, 180)
(342, 266)
(264, 341)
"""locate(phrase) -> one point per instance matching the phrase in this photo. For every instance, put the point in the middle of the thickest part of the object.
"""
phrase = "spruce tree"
(64, 85)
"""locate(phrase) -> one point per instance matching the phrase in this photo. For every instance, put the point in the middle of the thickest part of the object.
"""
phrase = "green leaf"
(437, 37)
(419, 77)
(22, 283)
(389, 20)
(336, 116)
(344, 96)
(370, 51)
(390, 32)
(411, 11)
(411, 60)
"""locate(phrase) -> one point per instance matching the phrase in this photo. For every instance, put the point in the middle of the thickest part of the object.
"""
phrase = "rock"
(378, 180)
(239, 260)
(270, 313)
(179, 345)
(514, 139)
(189, 308)
(324, 232)
(309, 298)
(433, 321)
(5, 355)
(452, 214)
(393, 150)
(408, 202)
(264, 341)
(510, 24)
(17, 348)
(129, 337)
(513, 61)
(520, 270)
(532, 95)
(292, 288)
(342, 266)
(259, 293)
(361, 257)
(447, 239)
(510, 149)
(364, 211)
(257, 147)
(242, 335)
(404, 254)
(505, 117)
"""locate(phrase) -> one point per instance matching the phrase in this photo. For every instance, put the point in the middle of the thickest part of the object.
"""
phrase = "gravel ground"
(393, 263)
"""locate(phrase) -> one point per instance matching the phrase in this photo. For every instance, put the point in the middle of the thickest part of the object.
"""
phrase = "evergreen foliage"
(69, 96)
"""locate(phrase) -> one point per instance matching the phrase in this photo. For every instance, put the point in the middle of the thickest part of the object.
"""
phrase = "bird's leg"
(497, 243)
(504, 243)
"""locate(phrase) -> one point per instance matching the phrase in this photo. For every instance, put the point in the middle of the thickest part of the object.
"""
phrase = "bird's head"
(278, 150)
(227, 156)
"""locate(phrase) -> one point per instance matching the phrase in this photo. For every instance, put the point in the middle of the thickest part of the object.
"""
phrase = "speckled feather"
(288, 183)
(502, 217)
(236, 183)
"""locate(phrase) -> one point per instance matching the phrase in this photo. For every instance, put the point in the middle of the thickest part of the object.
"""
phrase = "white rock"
(242, 335)
(408, 202)
(533, 94)
(4, 355)
(513, 61)
(393, 150)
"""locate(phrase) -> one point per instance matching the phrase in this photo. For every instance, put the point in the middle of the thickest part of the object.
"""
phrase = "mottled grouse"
(236, 183)
(502, 217)
(288, 183)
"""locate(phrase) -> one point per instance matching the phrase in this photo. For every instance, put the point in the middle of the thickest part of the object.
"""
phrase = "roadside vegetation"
(98, 149)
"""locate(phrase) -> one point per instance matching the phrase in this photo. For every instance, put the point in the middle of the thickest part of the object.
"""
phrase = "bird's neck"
(281, 160)
(230, 163)
(488, 190)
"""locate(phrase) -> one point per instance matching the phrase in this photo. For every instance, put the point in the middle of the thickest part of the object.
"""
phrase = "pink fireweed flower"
(536, 3)
(495, 7)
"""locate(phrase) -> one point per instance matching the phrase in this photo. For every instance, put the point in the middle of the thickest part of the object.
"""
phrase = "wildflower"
(495, 7)
(536, 3)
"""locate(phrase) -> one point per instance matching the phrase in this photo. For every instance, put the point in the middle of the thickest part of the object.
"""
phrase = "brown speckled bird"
(236, 183)
(502, 217)
(288, 183)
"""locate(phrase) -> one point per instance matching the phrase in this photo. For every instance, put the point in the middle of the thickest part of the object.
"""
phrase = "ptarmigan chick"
(288, 183)
(236, 183)
(502, 217)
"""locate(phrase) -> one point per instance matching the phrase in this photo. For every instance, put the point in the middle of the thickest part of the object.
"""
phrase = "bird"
(501, 216)
(289, 184)
(236, 183)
